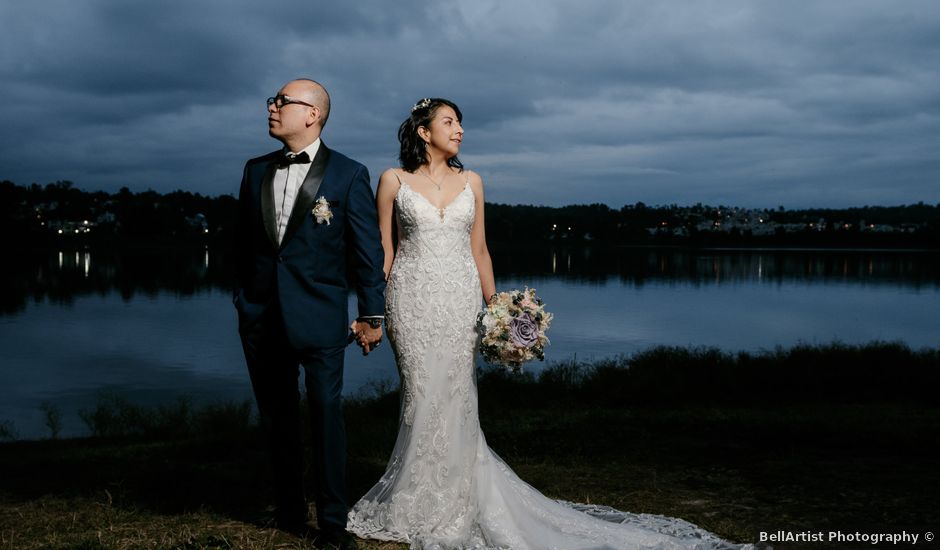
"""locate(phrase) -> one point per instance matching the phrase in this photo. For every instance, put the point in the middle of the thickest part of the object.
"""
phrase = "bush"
(114, 416)
(7, 431)
(676, 377)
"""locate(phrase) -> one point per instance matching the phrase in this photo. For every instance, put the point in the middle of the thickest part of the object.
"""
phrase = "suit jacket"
(309, 274)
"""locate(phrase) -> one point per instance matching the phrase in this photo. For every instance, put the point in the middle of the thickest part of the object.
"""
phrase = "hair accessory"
(422, 104)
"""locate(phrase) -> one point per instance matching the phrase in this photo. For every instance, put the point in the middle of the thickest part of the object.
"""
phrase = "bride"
(443, 487)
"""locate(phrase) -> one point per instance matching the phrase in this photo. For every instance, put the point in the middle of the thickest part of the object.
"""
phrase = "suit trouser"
(273, 368)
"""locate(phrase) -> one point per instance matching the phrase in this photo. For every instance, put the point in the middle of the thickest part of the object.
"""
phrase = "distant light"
(60, 232)
(205, 230)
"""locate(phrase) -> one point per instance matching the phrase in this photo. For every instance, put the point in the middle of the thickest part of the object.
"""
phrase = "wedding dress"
(443, 487)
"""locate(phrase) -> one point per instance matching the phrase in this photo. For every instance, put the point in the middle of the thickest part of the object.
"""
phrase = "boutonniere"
(321, 211)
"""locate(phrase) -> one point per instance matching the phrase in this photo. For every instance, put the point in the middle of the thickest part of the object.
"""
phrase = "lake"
(156, 326)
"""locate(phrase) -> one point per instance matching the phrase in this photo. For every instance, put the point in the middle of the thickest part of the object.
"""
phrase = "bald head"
(315, 93)
(298, 123)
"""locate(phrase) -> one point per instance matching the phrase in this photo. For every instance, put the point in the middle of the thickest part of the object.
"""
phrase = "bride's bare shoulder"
(475, 181)
(389, 182)
(391, 174)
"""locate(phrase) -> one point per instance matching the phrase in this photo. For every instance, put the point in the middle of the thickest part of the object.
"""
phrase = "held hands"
(367, 338)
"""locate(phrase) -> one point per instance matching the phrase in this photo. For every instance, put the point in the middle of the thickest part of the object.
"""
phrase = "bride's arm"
(385, 205)
(481, 254)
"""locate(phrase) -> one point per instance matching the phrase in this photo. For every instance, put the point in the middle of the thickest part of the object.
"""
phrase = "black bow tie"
(290, 158)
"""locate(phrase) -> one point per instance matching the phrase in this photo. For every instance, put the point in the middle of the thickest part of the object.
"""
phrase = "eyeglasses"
(281, 100)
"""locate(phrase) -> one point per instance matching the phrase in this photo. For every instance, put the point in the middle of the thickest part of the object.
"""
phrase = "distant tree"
(52, 417)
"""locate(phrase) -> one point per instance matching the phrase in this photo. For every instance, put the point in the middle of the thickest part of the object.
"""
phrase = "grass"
(772, 453)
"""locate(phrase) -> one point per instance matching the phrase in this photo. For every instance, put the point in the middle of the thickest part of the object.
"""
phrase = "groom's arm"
(365, 246)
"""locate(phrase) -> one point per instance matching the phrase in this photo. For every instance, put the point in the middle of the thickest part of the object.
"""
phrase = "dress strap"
(400, 181)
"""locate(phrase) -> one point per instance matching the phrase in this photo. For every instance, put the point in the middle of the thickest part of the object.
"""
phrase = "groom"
(306, 233)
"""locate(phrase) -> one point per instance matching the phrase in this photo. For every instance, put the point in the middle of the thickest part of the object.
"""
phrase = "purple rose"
(523, 331)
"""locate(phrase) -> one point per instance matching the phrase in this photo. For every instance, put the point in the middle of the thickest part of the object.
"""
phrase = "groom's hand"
(367, 337)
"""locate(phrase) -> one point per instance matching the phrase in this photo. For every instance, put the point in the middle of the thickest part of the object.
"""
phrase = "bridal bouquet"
(512, 329)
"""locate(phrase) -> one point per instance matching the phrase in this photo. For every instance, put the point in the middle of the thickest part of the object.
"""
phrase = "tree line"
(60, 215)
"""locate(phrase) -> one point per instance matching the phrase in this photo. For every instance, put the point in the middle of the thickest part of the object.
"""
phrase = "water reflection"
(81, 262)
(60, 276)
(700, 267)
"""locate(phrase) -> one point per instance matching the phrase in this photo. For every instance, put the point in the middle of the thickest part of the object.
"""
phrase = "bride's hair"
(413, 153)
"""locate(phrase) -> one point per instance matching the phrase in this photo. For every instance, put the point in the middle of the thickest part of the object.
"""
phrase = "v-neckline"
(440, 210)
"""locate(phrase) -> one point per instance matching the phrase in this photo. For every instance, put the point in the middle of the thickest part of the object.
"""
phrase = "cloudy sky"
(750, 103)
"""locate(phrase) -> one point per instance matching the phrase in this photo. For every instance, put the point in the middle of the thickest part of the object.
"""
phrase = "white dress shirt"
(287, 182)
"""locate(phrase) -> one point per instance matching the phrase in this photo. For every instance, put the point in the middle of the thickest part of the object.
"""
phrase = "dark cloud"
(734, 102)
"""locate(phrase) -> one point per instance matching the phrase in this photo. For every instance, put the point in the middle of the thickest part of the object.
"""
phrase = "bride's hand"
(367, 337)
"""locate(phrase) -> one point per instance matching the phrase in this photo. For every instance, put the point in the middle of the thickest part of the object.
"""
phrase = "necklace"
(436, 184)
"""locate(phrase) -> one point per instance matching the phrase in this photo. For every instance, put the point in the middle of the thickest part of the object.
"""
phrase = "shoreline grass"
(647, 433)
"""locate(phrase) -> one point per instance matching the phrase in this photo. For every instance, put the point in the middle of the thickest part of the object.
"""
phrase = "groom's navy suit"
(291, 299)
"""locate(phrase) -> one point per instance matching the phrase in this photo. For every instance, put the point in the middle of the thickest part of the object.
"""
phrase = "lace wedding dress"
(443, 487)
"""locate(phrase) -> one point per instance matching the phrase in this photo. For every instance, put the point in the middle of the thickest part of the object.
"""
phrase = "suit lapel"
(307, 194)
(268, 213)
